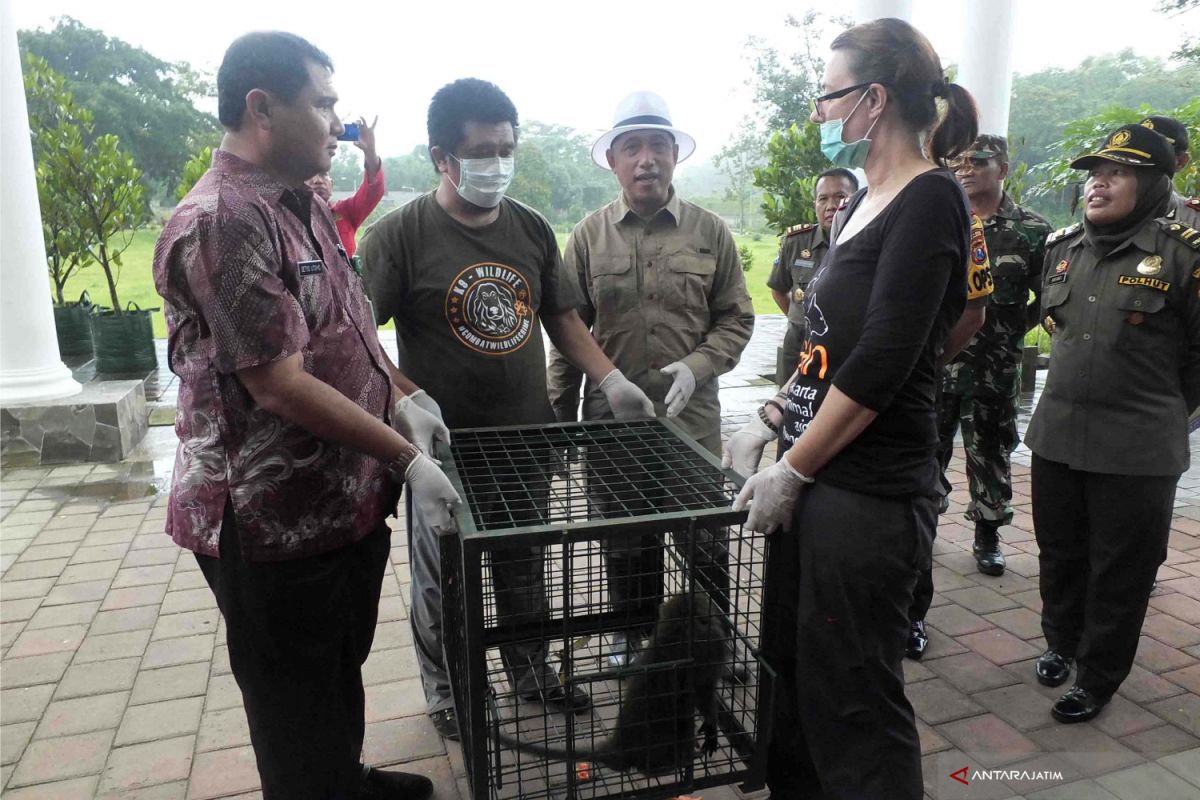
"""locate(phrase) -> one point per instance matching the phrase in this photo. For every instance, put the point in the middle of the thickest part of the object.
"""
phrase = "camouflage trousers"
(989, 431)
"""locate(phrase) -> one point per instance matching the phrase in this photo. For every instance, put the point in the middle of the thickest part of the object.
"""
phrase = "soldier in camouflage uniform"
(980, 386)
(1182, 209)
(800, 254)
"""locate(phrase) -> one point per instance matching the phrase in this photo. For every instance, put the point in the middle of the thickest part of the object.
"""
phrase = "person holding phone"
(856, 494)
(350, 213)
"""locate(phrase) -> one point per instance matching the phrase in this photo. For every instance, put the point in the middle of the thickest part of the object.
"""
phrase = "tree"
(147, 102)
(413, 170)
(789, 179)
(738, 159)
(784, 88)
(1055, 177)
(346, 172)
(1044, 102)
(1189, 50)
(785, 85)
(52, 112)
(95, 181)
(193, 171)
(533, 180)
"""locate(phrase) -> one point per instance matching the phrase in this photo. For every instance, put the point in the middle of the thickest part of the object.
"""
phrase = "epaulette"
(1184, 233)
(1063, 233)
(803, 227)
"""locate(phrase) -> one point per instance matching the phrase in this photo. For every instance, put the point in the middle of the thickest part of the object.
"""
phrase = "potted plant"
(98, 192)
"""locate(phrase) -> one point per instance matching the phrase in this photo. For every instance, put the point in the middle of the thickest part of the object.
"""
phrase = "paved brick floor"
(114, 679)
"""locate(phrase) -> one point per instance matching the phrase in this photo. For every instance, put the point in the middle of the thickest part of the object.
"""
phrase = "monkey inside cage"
(602, 612)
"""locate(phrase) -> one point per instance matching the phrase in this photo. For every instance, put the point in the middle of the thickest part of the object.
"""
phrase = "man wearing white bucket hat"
(663, 287)
(665, 297)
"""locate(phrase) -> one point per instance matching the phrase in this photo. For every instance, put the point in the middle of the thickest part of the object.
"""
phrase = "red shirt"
(250, 272)
(349, 214)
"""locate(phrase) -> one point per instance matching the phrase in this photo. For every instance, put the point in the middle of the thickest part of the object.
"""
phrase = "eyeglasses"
(816, 103)
(968, 164)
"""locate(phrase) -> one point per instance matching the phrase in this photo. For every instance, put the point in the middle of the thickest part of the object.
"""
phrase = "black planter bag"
(73, 322)
(125, 341)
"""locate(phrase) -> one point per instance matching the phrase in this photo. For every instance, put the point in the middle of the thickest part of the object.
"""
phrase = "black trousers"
(298, 634)
(923, 593)
(1101, 540)
(839, 586)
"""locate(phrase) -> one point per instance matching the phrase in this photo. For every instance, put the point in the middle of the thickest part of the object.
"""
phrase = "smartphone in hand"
(350, 134)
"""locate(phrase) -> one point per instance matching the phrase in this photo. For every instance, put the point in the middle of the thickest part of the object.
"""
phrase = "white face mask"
(483, 181)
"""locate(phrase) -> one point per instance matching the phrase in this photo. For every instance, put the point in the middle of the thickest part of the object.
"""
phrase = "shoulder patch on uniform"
(1184, 233)
(803, 227)
(1063, 233)
(1193, 203)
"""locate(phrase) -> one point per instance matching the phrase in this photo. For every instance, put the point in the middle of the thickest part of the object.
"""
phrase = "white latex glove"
(745, 447)
(625, 399)
(771, 495)
(432, 495)
(681, 390)
(422, 399)
(418, 419)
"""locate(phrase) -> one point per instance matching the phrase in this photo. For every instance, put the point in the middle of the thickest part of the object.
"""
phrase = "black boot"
(988, 557)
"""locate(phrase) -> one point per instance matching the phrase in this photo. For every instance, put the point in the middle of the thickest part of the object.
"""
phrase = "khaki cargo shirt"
(1125, 358)
(655, 292)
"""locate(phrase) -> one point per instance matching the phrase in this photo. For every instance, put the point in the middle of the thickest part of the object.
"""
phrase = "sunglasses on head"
(963, 164)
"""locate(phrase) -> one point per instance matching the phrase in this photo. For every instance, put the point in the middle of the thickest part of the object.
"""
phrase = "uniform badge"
(1151, 265)
(806, 253)
(797, 295)
(310, 267)
(1119, 139)
(1062, 266)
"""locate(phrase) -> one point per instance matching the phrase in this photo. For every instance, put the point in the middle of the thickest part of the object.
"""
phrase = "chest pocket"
(1144, 323)
(1054, 297)
(1008, 281)
(614, 284)
(689, 277)
(802, 272)
(315, 291)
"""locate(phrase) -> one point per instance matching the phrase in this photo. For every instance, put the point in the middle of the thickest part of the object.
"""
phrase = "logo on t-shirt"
(488, 309)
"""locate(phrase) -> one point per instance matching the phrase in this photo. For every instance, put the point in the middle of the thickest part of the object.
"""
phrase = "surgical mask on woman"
(483, 181)
(852, 155)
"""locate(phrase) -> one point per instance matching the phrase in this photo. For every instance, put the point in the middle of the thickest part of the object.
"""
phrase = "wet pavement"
(115, 683)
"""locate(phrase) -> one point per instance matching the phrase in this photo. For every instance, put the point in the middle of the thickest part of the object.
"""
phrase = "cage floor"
(517, 774)
(582, 661)
(550, 474)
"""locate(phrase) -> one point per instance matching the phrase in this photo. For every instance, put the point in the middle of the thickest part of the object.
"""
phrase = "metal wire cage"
(602, 599)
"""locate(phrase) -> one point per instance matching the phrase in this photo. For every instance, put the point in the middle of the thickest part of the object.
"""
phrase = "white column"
(985, 67)
(867, 10)
(30, 368)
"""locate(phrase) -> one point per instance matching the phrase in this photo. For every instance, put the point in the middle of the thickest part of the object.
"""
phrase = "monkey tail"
(557, 752)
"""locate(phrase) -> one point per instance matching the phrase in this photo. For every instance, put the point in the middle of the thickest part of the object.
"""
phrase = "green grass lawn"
(135, 281)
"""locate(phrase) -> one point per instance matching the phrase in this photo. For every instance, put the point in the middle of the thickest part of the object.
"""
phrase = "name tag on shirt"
(310, 267)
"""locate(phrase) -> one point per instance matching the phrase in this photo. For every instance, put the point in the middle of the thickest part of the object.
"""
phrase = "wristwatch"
(399, 465)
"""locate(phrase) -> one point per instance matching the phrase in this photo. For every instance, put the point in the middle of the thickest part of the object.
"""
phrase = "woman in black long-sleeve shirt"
(856, 493)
